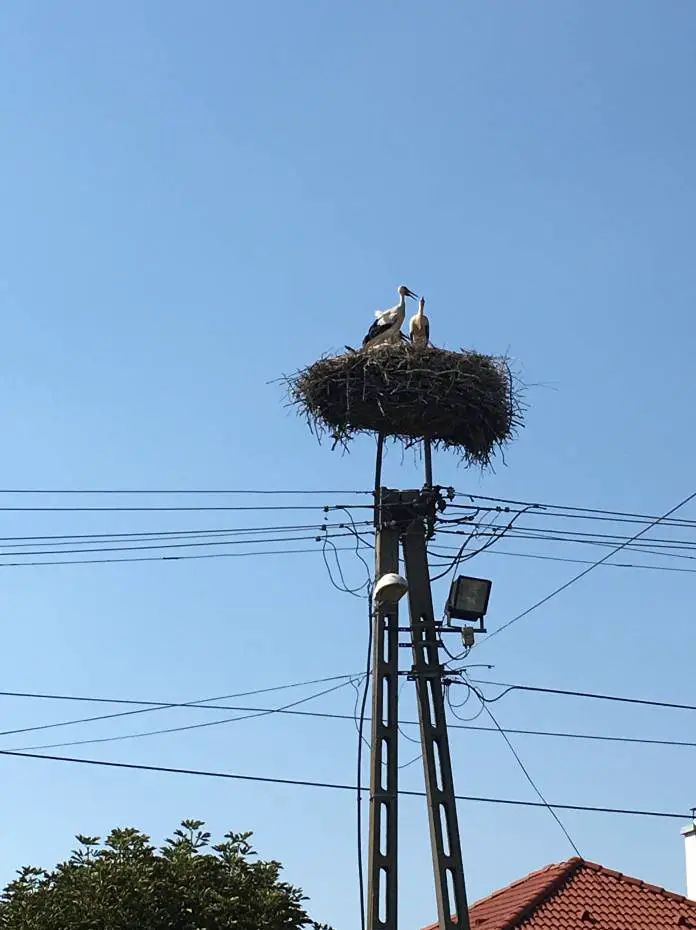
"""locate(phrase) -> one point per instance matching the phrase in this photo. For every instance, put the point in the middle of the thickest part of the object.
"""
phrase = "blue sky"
(197, 198)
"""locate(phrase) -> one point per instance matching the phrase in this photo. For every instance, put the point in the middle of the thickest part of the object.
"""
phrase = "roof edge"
(648, 886)
(565, 872)
(572, 867)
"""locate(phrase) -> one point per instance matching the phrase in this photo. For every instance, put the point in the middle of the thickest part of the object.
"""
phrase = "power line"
(178, 545)
(59, 539)
(556, 558)
(548, 510)
(165, 704)
(157, 558)
(179, 508)
(194, 726)
(361, 730)
(525, 771)
(332, 786)
(558, 734)
(497, 534)
(522, 532)
(590, 568)
(663, 550)
(342, 586)
(150, 706)
(465, 724)
(276, 552)
(207, 704)
(168, 491)
(583, 694)
(580, 510)
(319, 715)
(657, 546)
(363, 590)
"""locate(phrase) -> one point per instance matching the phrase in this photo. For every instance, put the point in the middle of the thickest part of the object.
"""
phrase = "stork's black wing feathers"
(376, 329)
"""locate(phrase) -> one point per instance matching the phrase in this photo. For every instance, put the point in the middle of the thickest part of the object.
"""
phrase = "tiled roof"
(581, 895)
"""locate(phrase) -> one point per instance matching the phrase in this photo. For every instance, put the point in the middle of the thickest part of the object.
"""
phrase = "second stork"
(419, 326)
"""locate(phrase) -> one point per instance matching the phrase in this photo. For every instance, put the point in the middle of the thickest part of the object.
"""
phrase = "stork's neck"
(401, 306)
(421, 308)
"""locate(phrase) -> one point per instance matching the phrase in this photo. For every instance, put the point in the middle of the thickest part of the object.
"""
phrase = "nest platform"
(462, 401)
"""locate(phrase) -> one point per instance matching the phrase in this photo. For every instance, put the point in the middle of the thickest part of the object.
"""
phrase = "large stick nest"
(462, 401)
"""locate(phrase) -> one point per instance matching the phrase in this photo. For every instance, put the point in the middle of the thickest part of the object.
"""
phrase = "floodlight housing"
(468, 598)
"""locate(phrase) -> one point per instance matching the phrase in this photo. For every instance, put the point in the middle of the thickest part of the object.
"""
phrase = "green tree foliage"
(126, 883)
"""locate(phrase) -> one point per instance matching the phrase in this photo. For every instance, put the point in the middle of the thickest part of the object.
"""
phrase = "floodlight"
(468, 598)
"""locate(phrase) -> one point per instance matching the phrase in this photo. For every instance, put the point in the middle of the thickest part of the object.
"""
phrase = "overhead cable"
(333, 786)
(589, 568)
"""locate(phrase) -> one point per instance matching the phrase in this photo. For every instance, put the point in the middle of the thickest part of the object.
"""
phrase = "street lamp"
(468, 599)
(390, 588)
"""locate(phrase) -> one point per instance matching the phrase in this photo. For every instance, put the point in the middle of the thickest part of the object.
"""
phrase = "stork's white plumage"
(387, 327)
(419, 326)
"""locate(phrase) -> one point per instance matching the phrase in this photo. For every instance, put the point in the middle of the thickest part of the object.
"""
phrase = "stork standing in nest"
(387, 327)
(419, 326)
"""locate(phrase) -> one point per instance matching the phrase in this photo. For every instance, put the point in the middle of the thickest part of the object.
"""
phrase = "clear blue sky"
(199, 197)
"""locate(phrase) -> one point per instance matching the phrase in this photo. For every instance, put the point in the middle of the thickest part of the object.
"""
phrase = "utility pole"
(421, 397)
(382, 850)
(448, 867)
(407, 517)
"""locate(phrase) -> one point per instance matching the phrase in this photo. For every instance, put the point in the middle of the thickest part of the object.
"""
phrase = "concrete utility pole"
(382, 849)
(407, 517)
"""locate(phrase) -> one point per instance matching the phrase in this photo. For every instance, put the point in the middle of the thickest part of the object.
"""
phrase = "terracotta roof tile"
(581, 895)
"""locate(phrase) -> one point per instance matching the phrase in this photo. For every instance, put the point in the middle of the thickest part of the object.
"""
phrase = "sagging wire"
(356, 685)
(401, 730)
(478, 531)
(453, 707)
(451, 703)
(359, 713)
(251, 715)
(484, 701)
(366, 589)
(354, 527)
(343, 587)
(326, 541)
(405, 765)
(361, 740)
(456, 560)
(454, 658)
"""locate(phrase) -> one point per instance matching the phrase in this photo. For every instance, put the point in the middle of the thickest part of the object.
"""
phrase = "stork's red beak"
(410, 293)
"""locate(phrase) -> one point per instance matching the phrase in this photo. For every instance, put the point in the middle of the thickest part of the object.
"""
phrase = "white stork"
(419, 326)
(387, 326)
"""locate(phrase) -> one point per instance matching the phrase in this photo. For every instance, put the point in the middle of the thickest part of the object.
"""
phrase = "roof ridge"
(551, 867)
(568, 869)
(554, 880)
(536, 873)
